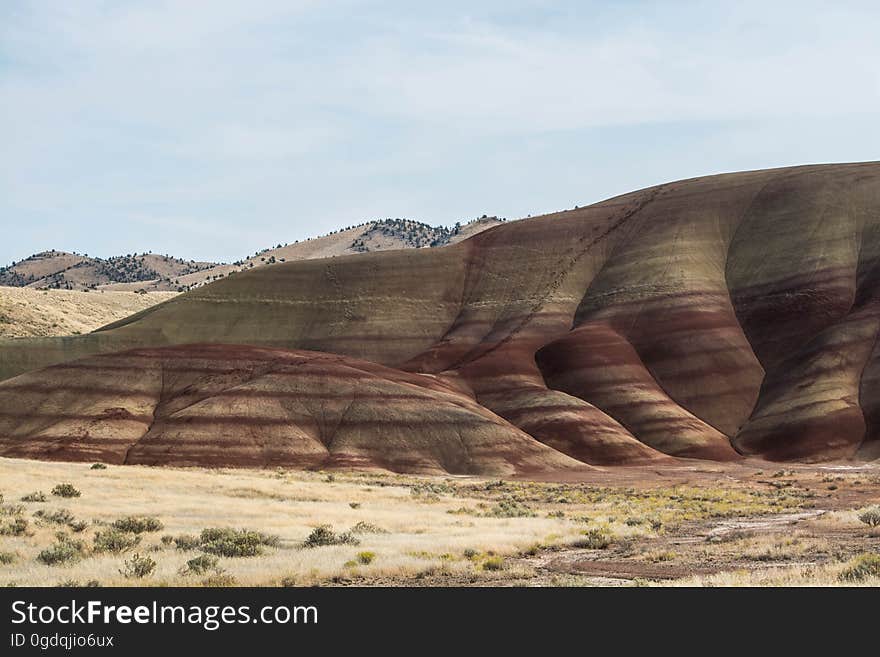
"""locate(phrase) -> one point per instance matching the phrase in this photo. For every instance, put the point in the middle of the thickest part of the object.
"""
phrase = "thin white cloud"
(809, 64)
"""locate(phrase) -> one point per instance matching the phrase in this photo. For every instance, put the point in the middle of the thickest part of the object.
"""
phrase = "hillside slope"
(708, 318)
(26, 312)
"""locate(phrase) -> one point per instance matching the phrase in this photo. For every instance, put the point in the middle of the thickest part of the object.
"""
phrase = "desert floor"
(694, 523)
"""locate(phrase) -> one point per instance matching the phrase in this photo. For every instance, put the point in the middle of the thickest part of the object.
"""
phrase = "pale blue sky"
(210, 129)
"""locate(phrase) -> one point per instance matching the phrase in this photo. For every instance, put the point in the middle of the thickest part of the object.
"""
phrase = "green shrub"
(493, 563)
(593, 539)
(223, 533)
(219, 580)
(115, 541)
(137, 524)
(98, 466)
(62, 517)
(66, 490)
(366, 558)
(11, 509)
(137, 567)
(233, 548)
(6, 558)
(167, 539)
(509, 509)
(871, 516)
(201, 565)
(58, 516)
(36, 496)
(288, 581)
(187, 542)
(354, 505)
(367, 528)
(17, 527)
(431, 491)
(235, 542)
(861, 568)
(64, 550)
(469, 553)
(78, 525)
(76, 584)
(324, 535)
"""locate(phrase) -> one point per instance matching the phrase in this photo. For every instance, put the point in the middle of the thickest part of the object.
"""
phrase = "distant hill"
(149, 272)
(26, 312)
(382, 235)
(60, 270)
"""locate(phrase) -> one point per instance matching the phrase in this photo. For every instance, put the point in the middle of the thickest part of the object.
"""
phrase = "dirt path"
(706, 548)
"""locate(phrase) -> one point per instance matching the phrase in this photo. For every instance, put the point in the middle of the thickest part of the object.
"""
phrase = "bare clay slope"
(225, 405)
(712, 317)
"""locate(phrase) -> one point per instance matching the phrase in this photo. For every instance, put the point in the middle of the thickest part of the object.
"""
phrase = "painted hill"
(708, 318)
(155, 406)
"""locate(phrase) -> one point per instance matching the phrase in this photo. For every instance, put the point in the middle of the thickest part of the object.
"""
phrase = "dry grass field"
(26, 312)
(692, 524)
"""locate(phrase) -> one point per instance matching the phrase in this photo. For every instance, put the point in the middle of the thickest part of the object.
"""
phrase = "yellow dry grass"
(421, 536)
(799, 575)
(26, 312)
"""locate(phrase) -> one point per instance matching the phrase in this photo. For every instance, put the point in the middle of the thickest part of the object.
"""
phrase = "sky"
(209, 129)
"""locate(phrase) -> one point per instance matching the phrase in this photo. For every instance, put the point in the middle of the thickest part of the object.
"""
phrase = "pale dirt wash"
(778, 550)
(766, 524)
